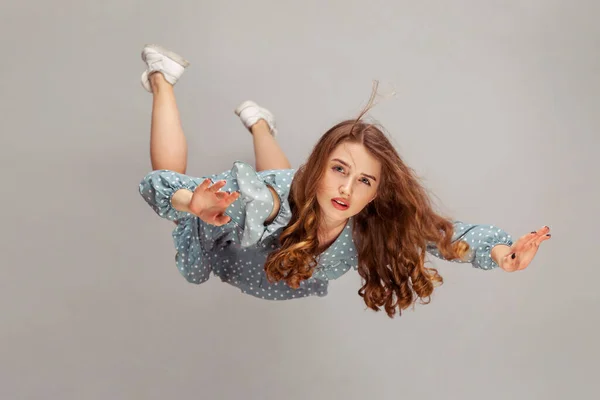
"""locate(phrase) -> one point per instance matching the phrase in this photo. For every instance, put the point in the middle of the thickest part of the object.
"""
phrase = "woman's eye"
(338, 168)
(366, 181)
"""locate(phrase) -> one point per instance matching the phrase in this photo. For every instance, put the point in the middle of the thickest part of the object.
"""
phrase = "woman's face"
(352, 176)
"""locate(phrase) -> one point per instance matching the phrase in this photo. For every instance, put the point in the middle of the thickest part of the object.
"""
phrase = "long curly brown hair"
(391, 233)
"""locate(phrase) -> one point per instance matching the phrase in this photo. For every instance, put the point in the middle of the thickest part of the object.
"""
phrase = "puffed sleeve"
(256, 202)
(158, 187)
(248, 213)
(481, 239)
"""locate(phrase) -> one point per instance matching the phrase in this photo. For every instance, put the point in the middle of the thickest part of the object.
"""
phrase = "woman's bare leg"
(267, 153)
(168, 146)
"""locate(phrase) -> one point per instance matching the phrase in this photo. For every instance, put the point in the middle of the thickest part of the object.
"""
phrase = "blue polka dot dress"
(236, 252)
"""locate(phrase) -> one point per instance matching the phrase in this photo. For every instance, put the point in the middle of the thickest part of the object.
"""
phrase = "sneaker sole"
(168, 53)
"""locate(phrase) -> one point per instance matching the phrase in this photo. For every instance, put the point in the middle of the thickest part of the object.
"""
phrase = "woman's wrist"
(499, 251)
(181, 200)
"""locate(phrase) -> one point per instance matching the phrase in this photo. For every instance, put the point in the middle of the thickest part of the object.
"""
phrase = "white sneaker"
(250, 113)
(159, 59)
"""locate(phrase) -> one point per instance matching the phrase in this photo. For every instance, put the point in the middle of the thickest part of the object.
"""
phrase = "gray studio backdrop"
(496, 108)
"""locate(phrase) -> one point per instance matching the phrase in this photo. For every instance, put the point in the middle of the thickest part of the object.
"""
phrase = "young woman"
(279, 233)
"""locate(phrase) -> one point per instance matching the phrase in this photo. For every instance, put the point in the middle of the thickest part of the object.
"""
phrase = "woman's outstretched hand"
(209, 204)
(523, 250)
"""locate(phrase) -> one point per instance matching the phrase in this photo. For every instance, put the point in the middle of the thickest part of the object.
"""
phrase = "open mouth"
(340, 205)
